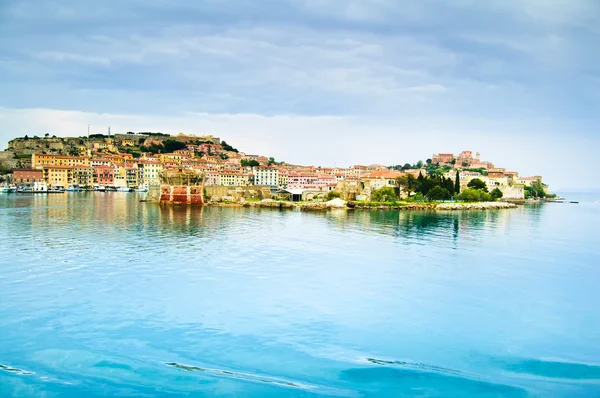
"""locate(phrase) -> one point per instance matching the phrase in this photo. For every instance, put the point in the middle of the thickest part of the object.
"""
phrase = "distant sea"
(102, 295)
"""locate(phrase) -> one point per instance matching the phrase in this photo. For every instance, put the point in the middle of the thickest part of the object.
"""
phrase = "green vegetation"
(4, 169)
(249, 163)
(149, 134)
(384, 194)
(536, 190)
(332, 195)
(167, 146)
(407, 183)
(435, 170)
(457, 183)
(272, 160)
(476, 183)
(438, 193)
(228, 147)
(134, 152)
(480, 170)
(496, 194)
(474, 195)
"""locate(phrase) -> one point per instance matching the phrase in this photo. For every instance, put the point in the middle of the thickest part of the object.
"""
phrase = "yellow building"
(40, 160)
(171, 157)
(58, 175)
(282, 180)
(234, 179)
(148, 172)
(83, 175)
(127, 142)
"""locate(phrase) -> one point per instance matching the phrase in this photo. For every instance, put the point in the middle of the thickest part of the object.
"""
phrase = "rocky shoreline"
(343, 205)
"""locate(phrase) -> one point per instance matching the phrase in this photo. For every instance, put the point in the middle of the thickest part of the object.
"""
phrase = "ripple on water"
(18, 371)
(427, 380)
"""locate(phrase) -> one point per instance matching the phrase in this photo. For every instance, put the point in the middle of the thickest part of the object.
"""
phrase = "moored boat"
(74, 188)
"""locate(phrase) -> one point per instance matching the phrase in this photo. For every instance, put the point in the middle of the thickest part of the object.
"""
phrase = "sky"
(317, 82)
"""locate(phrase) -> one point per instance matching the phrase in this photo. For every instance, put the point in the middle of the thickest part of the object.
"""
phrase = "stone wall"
(236, 193)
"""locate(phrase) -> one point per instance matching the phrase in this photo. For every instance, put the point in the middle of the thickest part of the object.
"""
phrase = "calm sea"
(101, 295)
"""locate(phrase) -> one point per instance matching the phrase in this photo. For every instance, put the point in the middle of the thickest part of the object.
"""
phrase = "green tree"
(173, 145)
(406, 166)
(419, 164)
(537, 189)
(496, 194)
(407, 183)
(474, 195)
(448, 184)
(332, 195)
(4, 169)
(428, 161)
(271, 160)
(457, 183)
(228, 147)
(384, 194)
(438, 193)
(469, 195)
(249, 163)
(477, 183)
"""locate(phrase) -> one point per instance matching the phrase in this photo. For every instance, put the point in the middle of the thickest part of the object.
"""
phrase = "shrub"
(332, 195)
(496, 194)
(385, 194)
(438, 193)
(474, 195)
(476, 183)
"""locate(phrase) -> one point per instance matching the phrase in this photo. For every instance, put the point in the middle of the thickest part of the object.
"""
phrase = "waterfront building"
(27, 176)
(266, 176)
(104, 175)
(57, 175)
(83, 175)
(148, 172)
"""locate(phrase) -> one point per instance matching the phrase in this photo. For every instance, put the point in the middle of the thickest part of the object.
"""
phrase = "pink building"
(466, 155)
(104, 175)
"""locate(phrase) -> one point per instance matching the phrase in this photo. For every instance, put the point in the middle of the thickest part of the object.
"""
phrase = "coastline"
(341, 205)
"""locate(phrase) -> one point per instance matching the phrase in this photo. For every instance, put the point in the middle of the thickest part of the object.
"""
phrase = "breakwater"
(343, 205)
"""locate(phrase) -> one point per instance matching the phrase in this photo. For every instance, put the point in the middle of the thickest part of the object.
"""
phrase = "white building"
(149, 172)
(266, 176)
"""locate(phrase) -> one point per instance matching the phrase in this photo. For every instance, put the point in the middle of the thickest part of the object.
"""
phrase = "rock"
(336, 203)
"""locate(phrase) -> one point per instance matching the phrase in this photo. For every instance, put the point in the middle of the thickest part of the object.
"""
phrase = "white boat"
(99, 188)
(142, 188)
(74, 188)
(4, 189)
(56, 189)
(123, 189)
(39, 187)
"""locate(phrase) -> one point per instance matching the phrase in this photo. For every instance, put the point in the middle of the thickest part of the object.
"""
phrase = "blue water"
(101, 295)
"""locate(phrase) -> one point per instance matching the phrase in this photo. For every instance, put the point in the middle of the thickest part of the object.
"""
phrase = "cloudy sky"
(323, 82)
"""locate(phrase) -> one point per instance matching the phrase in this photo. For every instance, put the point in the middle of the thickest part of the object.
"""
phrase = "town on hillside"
(135, 161)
